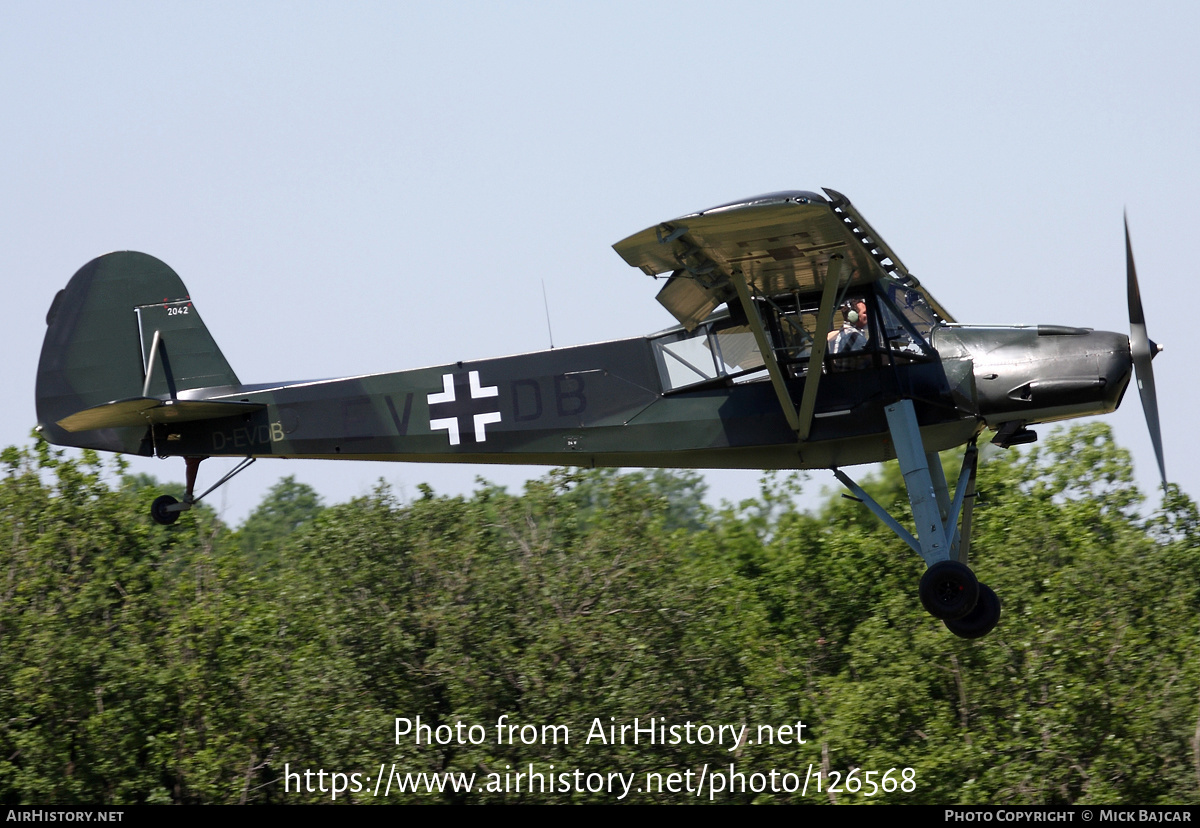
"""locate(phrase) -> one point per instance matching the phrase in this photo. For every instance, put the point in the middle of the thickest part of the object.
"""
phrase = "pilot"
(853, 335)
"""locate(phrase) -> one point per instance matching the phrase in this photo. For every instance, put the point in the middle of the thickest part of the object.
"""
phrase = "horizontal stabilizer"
(143, 411)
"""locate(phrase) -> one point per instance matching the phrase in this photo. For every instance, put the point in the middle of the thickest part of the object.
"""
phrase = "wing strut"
(816, 360)
(799, 420)
(768, 353)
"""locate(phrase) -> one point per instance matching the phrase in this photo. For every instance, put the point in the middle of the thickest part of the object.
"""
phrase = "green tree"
(143, 663)
(287, 506)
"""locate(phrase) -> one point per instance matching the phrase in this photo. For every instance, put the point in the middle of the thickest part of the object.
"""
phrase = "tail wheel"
(949, 590)
(160, 513)
(980, 621)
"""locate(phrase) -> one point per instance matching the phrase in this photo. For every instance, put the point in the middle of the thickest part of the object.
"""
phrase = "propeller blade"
(1143, 351)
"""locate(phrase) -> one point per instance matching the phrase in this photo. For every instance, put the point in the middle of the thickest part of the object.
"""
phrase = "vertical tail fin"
(100, 348)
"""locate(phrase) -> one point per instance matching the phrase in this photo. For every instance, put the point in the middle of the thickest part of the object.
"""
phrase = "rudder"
(99, 348)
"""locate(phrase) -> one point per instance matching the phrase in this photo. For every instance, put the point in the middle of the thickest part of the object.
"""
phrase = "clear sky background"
(365, 187)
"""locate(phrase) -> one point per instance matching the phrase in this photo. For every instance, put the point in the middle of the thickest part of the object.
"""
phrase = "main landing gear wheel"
(949, 590)
(980, 621)
(165, 509)
(158, 510)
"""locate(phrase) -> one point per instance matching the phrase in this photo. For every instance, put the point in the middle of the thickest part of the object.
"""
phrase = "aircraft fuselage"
(603, 405)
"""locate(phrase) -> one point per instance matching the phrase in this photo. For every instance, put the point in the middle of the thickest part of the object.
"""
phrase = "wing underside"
(146, 411)
(777, 243)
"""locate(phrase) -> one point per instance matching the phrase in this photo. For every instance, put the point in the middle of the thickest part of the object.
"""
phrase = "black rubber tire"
(980, 621)
(158, 510)
(949, 590)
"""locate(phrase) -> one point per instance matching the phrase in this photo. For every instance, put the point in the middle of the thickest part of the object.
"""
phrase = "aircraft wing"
(776, 243)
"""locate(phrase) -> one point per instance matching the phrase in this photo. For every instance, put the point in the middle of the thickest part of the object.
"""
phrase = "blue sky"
(368, 187)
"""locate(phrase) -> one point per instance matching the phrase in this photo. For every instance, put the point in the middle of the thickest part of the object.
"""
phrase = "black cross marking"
(463, 396)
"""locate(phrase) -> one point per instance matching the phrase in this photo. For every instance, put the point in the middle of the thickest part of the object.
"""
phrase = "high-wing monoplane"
(802, 342)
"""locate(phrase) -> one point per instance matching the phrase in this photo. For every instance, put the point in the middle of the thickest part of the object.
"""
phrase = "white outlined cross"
(455, 404)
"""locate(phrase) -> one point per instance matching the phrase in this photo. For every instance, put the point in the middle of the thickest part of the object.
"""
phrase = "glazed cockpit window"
(911, 319)
(715, 349)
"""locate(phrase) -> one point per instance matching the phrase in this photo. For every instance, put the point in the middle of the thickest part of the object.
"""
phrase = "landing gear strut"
(949, 590)
(166, 510)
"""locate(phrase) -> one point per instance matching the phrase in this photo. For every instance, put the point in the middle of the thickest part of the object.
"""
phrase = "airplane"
(803, 342)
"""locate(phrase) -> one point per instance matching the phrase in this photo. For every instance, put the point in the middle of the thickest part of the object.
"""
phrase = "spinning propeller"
(1143, 351)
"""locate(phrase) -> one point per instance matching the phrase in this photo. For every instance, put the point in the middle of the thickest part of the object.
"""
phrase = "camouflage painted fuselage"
(592, 405)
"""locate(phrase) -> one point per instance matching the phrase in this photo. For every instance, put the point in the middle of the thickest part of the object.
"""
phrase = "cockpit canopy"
(884, 324)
